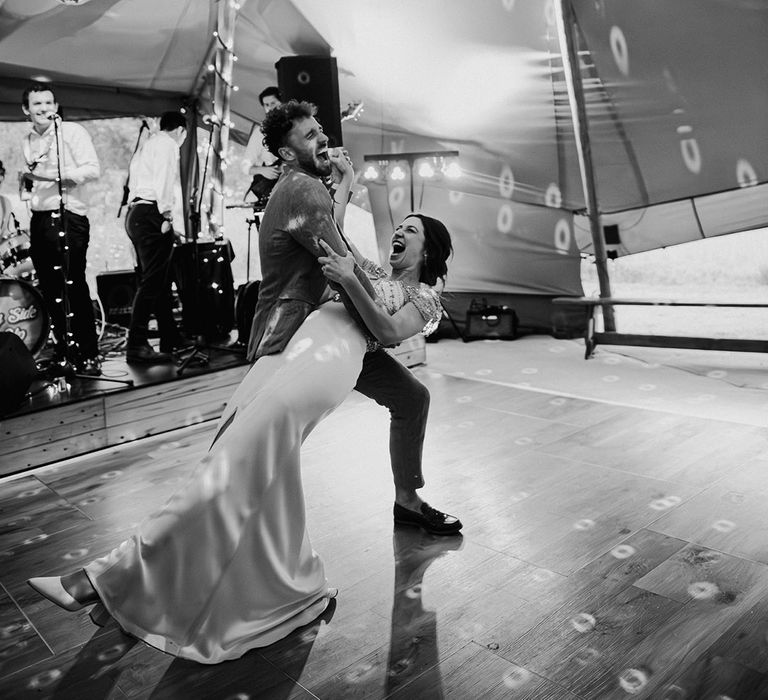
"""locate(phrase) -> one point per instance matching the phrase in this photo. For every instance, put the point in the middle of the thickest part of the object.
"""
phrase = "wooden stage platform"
(608, 552)
(53, 424)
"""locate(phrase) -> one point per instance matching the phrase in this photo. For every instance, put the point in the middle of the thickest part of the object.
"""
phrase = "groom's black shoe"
(428, 519)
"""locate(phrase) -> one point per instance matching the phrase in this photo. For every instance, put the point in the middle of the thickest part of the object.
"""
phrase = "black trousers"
(154, 251)
(385, 380)
(53, 264)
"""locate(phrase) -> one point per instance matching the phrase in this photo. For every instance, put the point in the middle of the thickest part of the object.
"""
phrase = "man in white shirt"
(58, 171)
(154, 172)
(258, 162)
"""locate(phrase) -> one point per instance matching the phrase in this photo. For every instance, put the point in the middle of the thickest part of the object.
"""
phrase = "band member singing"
(60, 159)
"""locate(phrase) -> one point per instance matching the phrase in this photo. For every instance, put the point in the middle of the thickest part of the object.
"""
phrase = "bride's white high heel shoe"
(50, 587)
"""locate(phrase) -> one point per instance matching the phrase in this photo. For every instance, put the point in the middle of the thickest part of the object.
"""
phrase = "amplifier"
(116, 290)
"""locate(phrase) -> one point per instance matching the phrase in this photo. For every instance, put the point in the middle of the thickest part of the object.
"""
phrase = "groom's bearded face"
(309, 146)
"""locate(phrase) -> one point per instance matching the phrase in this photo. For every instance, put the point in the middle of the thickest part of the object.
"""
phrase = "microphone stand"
(67, 367)
(126, 189)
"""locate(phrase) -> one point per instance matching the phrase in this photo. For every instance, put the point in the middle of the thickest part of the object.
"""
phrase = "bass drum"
(15, 260)
(22, 312)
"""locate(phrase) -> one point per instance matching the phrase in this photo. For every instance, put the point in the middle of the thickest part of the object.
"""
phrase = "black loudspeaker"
(208, 294)
(611, 234)
(245, 307)
(116, 291)
(313, 79)
(17, 371)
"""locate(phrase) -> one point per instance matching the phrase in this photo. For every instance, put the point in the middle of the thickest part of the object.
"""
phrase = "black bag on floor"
(245, 307)
(494, 322)
(17, 371)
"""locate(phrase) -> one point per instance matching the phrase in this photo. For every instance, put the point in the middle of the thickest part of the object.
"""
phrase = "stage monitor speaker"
(313, 79)
(207, 295)
(116, 290)
(17, 371)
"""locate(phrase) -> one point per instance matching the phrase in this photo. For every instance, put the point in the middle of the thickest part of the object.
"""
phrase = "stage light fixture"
(453, 170)
(397, 173)
(371, 173)
(393, 162)
(425, 170)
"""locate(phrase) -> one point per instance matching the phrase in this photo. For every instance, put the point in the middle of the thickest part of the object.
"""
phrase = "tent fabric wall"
(676, 104)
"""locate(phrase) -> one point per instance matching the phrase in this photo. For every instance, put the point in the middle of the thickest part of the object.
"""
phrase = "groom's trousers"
(385, 380)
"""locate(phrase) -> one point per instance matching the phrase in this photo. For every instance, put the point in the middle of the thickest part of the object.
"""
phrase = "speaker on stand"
(313, 79)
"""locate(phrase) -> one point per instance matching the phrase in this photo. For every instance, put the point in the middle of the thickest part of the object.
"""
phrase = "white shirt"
(154, 171)
(256, 152)
(79, 163)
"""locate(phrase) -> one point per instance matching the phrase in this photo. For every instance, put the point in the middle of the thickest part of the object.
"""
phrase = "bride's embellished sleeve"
(373, 270)
(427, 301)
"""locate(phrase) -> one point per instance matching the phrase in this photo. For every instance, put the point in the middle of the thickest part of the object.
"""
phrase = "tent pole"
(222, 90)
(567, 31)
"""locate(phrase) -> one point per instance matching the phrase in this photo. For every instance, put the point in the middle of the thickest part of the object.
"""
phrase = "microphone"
(53, 117)
(144, 124)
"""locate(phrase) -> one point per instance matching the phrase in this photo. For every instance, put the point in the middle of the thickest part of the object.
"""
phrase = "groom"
(293, 285)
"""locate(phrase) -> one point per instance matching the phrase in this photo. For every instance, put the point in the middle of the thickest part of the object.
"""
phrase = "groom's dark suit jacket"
(298, 214)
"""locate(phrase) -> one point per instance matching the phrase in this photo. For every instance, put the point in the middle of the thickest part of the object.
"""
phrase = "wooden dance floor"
(608, 552)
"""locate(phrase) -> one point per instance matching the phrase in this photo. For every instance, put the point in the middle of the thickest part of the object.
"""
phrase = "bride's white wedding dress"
(227, 565)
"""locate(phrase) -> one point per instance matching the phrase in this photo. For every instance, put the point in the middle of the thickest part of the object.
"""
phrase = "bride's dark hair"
(437, 249)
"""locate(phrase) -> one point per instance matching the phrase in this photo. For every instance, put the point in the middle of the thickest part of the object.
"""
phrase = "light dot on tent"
(691, 154)
(745, 173)
(619, 49)
(647, 387)
(505, 218)
(610, 378)
(506, 182)
(509, 5)
(455, 197)
(553, 197)
(562, 236)
(717, 374)
(396, 197)
(529, 370)
(723, 525)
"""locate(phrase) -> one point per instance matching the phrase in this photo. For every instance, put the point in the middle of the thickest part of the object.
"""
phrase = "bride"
(227, 565)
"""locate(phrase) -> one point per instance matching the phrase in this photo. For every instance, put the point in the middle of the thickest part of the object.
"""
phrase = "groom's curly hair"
(279, 122)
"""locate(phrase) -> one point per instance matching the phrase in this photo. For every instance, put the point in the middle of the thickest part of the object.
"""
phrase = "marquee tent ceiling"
(676, 96)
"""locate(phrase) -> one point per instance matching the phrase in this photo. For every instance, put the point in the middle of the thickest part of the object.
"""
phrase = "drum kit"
(22, 309)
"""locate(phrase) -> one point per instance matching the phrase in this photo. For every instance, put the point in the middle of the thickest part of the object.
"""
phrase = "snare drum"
(15, 258)
(22, 311)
